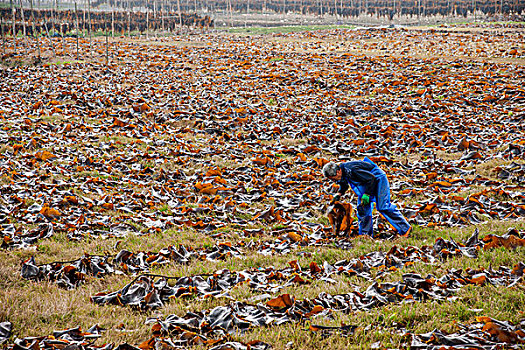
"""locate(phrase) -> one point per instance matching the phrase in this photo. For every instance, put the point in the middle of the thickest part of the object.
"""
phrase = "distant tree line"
(64, 22)
(343, 8)
(380, 8)
(121, 16)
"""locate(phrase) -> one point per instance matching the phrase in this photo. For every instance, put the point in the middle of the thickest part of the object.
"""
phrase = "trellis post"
(76, 15)
(231, 13)
(113, 19)
(23, 26)
(155, 18)
(107, 40)
(147, 20)
(49, 38)
(14, 24)
(3, 35)
(33, 28)
(180, 14)
(89, 27)
(162, 14)
(53, 19)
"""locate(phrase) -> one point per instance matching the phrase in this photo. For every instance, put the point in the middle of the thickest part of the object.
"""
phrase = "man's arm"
(343, 187)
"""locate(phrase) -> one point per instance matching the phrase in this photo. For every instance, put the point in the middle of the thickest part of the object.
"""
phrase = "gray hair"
(330, 169)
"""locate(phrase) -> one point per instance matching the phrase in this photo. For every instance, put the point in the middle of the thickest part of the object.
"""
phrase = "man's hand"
(365, 199)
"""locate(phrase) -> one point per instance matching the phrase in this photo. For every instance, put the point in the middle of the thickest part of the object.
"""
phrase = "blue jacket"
(362, 176)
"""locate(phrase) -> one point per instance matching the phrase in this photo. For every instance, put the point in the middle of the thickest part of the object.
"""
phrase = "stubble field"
(172, 196)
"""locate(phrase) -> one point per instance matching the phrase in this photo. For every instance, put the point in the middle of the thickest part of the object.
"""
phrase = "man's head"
(332, 171)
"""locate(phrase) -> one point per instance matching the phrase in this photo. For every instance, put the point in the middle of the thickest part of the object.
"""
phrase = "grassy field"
(218, 138)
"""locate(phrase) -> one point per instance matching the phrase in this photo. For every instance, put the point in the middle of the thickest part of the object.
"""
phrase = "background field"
(216, 140)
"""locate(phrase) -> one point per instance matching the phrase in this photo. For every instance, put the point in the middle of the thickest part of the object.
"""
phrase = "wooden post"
(147, 20)
(53, 19)
(3, 35)
(419, 12)
(231, 13)
(14, 25)
(247, 13)
(155, 17)
(76, 22)
(89, 28)
(394, 11)
(84, 17)
(33, 27)
(180, 14)
(23, 26)
(62, 35)
(62, 32)
(112, 19)
(162, 14)
(129, 19)
(49, 38)
(107, 43)
(172, 22)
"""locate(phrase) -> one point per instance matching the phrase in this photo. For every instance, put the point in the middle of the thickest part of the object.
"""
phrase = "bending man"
(370, 185)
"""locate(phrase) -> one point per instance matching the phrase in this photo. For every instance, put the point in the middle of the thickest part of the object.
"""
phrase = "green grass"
(40, 308)
(65, 62)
